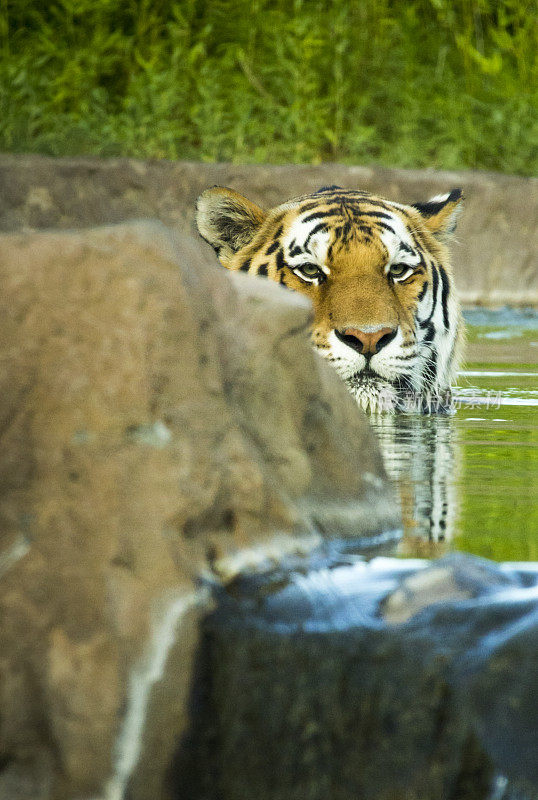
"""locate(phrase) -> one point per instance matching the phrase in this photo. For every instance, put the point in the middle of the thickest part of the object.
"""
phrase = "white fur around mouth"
(373, 394)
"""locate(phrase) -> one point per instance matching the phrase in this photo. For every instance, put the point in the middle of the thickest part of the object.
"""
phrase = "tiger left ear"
(227, 221)
(441, 213)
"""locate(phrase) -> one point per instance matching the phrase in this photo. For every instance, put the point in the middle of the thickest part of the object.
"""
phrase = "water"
(468, 481)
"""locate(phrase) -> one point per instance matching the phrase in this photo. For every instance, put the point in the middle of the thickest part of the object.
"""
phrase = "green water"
(469, 481)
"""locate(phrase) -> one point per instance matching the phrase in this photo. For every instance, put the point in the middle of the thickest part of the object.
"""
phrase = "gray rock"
(311, 692)
(454, 577)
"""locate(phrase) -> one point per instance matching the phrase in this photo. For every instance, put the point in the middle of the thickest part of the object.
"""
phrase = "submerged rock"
(393, 680)
(160, 420)
(455, 577)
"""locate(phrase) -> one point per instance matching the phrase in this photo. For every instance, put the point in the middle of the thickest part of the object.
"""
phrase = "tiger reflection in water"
(421, 456)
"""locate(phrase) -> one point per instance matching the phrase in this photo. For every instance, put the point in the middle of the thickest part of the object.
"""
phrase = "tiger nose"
(368, 342)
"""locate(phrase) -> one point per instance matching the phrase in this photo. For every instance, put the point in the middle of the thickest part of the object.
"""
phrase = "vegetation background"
(441, 83)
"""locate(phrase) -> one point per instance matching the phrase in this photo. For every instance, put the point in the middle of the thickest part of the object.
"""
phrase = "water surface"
(469, 481)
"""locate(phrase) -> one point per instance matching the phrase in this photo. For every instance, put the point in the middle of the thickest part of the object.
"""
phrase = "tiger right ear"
(441, 213)
(227, 220)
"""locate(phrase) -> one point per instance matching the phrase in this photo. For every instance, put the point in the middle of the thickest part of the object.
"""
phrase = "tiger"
(385, 310)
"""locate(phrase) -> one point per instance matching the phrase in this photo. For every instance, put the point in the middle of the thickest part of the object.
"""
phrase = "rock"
(495, 257)
(454, 577)
(311, 692)
(161, 421)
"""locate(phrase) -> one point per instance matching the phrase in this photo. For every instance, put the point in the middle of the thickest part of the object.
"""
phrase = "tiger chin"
(386, 313)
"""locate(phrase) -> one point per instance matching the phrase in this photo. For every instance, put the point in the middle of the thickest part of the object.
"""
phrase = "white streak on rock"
(143, 677)
(11, 555)
(264, 557)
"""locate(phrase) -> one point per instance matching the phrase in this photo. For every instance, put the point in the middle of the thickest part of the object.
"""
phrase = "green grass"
(440, 83)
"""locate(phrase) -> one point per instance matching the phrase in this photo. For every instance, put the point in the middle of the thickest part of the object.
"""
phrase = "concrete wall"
(496, 255)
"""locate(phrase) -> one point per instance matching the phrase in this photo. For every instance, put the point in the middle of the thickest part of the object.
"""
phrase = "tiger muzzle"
(366, 342)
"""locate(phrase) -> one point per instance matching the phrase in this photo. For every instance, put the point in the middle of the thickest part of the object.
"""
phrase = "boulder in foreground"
(160, 420)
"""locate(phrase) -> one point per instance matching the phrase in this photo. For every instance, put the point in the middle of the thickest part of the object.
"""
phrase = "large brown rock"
(495, 259)
(160, 420)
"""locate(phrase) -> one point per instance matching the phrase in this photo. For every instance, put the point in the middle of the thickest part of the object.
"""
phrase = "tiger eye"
(310, 270)
(397, 270)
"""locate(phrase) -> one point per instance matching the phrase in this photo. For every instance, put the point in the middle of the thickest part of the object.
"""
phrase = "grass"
(448, 84)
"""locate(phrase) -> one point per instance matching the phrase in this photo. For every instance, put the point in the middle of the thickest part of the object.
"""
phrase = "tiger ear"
(441, 213)
(227, 220)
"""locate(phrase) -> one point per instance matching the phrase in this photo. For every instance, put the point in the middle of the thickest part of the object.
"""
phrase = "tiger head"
(377, 272)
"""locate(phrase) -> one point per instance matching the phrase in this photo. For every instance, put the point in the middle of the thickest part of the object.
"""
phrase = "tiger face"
(377, 272)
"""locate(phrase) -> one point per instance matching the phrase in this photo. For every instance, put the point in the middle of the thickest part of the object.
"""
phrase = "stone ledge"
(495, 257)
